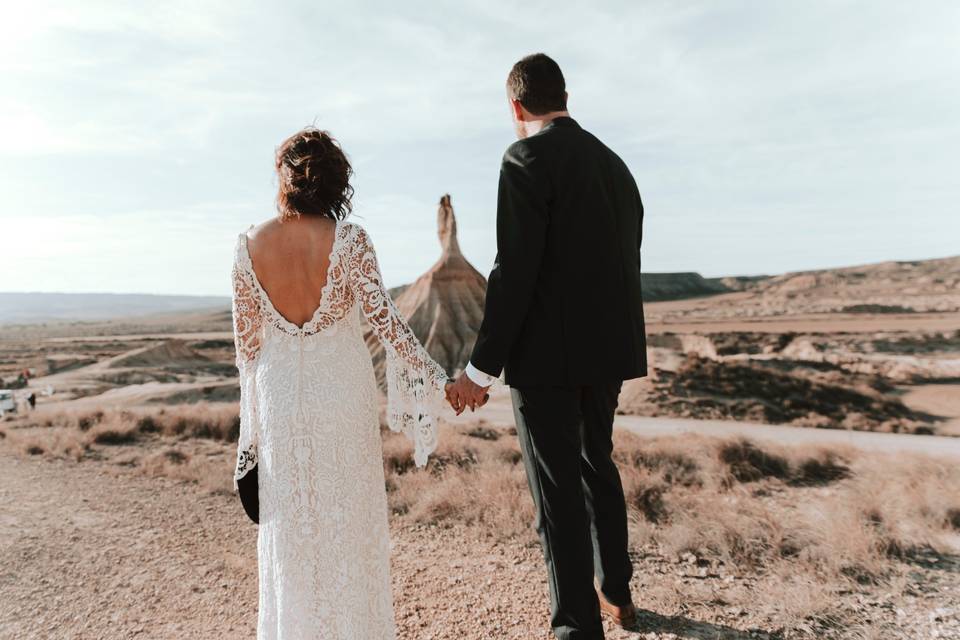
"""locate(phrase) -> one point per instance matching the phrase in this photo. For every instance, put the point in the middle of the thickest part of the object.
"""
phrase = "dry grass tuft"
(477, 481)
(172, 462)
(80, 434)
(749, 463)
(64, 444)
(216, 421)
(953, 518)
(118, 432)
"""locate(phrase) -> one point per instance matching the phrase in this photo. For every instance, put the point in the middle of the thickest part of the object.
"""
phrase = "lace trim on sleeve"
(415, 382)
(247, 311)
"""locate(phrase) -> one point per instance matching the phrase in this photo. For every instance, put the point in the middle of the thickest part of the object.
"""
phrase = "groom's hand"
(464, 393)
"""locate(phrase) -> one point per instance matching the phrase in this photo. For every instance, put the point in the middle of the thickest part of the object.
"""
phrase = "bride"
(309, 402)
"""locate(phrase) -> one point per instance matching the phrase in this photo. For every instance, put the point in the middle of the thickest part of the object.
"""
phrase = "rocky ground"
(96, 549)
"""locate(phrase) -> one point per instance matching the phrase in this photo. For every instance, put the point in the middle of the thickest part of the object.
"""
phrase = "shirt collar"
(561, 121)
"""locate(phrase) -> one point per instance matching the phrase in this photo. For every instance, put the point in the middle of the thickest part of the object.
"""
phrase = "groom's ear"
(517, 109)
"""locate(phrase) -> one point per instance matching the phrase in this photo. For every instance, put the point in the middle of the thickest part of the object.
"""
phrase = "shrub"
(749, 463)
(113, 435)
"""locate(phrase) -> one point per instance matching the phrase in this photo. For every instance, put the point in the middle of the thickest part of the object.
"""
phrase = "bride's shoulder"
(240, 243)
(355, 233)
(251, 232)
(267, 228)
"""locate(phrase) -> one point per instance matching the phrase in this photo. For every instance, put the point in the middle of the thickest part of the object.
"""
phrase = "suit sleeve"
(639, 221)
(522, 219)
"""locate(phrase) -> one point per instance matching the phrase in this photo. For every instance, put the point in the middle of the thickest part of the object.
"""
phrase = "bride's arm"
(247, 334)
(415, 382)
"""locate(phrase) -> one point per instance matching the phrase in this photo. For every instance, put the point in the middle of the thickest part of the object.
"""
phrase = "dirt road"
(499, 412)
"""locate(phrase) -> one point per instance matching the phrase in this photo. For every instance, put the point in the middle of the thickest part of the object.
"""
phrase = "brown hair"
(537, 83)
(314, 176)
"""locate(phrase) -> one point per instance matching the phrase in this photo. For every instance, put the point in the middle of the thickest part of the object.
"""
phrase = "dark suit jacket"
(563, 300)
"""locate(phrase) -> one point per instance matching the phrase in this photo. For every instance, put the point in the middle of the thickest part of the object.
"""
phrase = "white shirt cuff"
(478, 377)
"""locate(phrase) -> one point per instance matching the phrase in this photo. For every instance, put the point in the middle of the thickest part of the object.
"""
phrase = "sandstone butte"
(444, 306)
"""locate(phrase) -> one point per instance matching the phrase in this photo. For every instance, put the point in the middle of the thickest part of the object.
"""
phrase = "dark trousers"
(566, 438)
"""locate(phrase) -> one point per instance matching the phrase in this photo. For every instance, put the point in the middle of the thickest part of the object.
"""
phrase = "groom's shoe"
(625, 615)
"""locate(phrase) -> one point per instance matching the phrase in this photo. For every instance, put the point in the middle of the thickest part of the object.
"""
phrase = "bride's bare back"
(291, 260)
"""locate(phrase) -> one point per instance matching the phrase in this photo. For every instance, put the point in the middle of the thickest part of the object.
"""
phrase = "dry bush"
(471, 479)
(34, 449)
(62, 444)
(217, 421)
(832, 513)
(880, 508)
(214, 420)
(114, 431)
(953, 517)
(171, 462)
(748, 462)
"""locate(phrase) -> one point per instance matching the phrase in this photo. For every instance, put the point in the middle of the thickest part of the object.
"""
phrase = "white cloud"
(744, 121)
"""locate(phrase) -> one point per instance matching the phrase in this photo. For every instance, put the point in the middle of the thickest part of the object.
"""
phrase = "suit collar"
(562, 121)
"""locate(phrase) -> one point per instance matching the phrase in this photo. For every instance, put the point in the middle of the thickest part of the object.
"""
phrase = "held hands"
(464, 392)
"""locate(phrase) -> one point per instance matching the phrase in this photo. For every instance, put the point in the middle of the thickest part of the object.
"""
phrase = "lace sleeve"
(415, 382)
(247, 334)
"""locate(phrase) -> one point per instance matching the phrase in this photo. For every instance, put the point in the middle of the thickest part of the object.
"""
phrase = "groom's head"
(535, 88)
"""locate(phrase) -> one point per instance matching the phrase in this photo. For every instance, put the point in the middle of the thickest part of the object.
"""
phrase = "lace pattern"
(415, 382)
(308, 420)
(247, 312)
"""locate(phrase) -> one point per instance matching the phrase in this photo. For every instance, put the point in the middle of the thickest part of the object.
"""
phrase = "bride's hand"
(464, 393)
(452, 398)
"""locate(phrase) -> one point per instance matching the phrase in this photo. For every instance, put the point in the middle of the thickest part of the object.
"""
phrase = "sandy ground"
(92, 550)
(938, 399)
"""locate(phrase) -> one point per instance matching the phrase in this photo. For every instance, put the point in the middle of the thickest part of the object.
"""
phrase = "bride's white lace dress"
(309, 420)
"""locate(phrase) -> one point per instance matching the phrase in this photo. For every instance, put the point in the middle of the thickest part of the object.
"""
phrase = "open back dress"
(309, 408)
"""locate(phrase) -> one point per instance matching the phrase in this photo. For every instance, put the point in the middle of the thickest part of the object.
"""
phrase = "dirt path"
(499, 412)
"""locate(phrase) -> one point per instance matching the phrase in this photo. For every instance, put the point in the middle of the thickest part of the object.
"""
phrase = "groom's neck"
(537, 123)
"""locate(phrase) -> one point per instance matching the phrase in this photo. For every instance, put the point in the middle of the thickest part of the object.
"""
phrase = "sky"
(137, 139)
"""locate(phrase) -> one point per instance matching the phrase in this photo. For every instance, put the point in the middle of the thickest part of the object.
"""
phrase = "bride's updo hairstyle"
(314, 176)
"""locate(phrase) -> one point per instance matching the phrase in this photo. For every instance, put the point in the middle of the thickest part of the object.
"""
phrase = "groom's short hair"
(537, 83)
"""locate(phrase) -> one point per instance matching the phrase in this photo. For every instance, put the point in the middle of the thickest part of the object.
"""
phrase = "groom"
(564, 320)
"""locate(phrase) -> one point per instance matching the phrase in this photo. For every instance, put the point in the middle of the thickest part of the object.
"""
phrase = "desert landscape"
(791, 468)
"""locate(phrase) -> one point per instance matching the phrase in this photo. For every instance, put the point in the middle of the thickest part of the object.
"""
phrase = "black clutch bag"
(249, 489)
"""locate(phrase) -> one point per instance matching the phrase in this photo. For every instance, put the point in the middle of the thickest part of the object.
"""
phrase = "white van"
(8, 404)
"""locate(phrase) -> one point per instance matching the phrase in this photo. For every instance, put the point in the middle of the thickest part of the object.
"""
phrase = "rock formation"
(444, 306)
